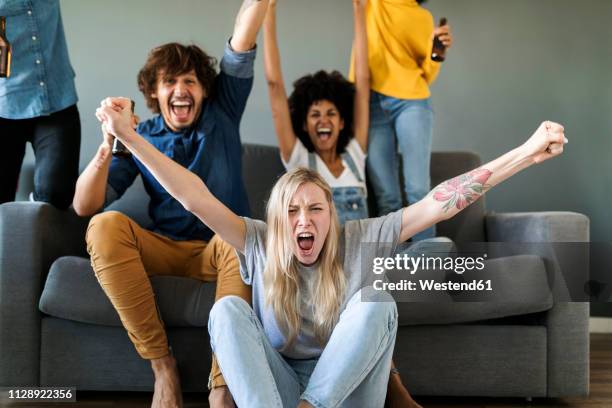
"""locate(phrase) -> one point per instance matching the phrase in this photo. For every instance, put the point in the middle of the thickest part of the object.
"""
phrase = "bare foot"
(221, 397)
(167, 392)
(397, 395)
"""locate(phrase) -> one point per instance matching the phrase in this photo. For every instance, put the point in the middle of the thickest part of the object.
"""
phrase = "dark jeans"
(56, 140)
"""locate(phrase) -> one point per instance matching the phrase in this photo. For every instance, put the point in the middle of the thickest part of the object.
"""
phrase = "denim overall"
(351, 202)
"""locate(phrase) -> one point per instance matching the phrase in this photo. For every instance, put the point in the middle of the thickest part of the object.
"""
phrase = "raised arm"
(182, 184)
(90, 191)
(276, 86)
(362, 76)
(452, 196)
(90, 187)
(248, 22)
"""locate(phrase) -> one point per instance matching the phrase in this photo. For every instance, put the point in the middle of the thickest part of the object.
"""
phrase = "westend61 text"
(429, 285)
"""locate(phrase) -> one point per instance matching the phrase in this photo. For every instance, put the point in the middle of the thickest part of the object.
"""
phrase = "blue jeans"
(406, 125)
(351, 203)
(353, 370)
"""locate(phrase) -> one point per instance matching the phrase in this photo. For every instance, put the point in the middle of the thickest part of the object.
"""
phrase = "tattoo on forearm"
(462, 190)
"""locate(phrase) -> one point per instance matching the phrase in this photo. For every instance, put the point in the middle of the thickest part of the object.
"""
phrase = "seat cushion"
(520, 287)
(72, 292)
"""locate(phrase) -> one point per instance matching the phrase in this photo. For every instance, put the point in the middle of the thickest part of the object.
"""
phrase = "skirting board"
(600, 325)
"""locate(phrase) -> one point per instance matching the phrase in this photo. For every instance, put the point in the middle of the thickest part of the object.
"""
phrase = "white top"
(299, 158)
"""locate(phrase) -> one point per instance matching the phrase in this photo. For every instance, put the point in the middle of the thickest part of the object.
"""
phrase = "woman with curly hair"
(324, 123)
(313, 337)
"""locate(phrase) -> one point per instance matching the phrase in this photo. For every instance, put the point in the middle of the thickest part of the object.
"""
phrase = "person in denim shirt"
(38, 103)
(197, 126)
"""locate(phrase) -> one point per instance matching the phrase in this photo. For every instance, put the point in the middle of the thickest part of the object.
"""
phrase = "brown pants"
(124, 256)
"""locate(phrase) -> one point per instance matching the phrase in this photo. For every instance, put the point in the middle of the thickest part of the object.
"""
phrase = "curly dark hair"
(174, 59)
(332, 87)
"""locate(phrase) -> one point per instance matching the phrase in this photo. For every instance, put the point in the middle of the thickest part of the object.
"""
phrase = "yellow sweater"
(399, 48)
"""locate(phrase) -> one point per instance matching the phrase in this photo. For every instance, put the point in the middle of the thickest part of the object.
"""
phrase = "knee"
(224, 252)
(384, 313)
(437, 246)
(374, 307)
(227, 313)
(387, 309)
(380, 310)
(107, 223)
(105, 231)
(55, 185)
(59, 196)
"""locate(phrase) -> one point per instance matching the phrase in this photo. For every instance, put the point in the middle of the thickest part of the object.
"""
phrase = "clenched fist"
(116, 116)
(547, 142)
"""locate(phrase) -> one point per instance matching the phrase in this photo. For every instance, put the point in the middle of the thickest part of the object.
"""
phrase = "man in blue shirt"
(38, 103)
(197, 125)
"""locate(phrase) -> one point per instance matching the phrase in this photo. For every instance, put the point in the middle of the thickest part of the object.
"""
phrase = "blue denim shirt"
(42, 79)
(211, 149)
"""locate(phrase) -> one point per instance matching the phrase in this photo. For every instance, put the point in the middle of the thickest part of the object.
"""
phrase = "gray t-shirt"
(380, 238)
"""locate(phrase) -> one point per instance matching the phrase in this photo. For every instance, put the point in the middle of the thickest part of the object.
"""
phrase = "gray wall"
(514, 64)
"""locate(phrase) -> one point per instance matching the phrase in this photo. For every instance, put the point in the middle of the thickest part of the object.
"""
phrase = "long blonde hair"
(281, 280)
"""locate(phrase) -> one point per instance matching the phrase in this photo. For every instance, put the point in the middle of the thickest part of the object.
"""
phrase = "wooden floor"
(601, 392)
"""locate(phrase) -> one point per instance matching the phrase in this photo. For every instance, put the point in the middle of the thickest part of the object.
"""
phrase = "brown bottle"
(118, 148)
(438, 51)
(5, 51)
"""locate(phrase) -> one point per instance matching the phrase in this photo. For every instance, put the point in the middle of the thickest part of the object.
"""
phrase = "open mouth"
(305, 241)
(324, 133)
(181, 109)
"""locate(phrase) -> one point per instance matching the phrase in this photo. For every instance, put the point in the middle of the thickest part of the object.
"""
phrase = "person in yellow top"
(400, 42)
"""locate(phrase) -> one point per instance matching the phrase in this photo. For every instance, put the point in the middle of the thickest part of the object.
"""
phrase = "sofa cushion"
(72, 292)
(520, 287)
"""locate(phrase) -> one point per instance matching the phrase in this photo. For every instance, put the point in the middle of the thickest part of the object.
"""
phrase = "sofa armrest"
(32, 236)
(567, 323)
(567, 327)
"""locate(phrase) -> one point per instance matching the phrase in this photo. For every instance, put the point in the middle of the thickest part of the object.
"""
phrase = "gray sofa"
(58, 328)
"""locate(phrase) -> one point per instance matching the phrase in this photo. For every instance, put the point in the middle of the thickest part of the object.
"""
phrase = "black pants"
(56, 140)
